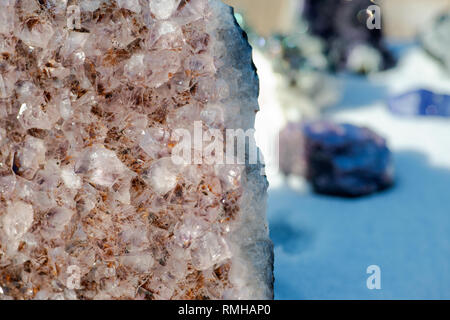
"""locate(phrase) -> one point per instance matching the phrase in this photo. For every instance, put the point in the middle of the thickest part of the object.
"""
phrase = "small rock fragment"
(420, 103)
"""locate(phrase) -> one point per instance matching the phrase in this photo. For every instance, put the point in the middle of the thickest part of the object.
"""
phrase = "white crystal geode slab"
(92, 205)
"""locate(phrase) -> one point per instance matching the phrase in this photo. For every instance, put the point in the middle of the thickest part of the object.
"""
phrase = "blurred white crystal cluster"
(91, 205)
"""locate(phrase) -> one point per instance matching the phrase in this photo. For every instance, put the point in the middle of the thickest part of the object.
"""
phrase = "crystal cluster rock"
(92, 205)
(338, 159)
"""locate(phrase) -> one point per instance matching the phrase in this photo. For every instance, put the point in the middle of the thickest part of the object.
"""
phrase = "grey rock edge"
(253, 241)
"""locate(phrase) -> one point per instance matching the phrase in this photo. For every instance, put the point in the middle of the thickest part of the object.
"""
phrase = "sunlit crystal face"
(92, 205)
(163, 9)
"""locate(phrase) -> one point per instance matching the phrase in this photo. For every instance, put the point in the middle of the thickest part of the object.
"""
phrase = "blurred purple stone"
(338, 159)
(420, 103)
(342, 24)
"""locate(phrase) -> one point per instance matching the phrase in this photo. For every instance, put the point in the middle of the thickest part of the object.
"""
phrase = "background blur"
(323, 65)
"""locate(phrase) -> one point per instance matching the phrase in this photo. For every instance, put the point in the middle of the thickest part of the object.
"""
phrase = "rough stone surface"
(338, 159)
(91, 205)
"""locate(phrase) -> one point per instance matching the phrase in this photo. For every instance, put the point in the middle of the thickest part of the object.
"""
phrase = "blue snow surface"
(324, 245)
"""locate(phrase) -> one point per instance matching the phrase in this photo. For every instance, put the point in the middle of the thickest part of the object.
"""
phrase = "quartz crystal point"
(92, 205)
